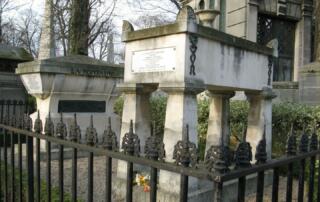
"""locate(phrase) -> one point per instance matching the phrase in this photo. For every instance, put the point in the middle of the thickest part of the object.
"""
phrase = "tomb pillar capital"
(265, 94)
(133, 88)
(219, 94)
(182, 88)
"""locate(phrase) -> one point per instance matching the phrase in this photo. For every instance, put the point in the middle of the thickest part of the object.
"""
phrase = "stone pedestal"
(260, 119)
(136, 107)
(219, 114)
(181, 111)
(303, 39)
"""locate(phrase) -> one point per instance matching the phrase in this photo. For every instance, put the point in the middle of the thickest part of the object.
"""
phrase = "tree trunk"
(317, 32)
(79, 32)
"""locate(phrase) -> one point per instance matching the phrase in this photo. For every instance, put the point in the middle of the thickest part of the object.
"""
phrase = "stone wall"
(286, 91)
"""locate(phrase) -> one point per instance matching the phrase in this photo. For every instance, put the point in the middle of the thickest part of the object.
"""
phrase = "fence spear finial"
(131, 142)
(109, 139)
(49, 126)
(38, 124)
(91, 134)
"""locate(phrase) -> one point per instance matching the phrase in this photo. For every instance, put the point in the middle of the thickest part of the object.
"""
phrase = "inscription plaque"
(81, 106)
(156, 60)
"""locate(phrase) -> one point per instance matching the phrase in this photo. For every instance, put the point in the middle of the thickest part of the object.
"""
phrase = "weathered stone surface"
(14, 53)
(74, 65)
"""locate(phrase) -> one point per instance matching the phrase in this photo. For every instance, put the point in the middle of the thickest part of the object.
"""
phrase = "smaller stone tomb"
(74, 84)
(11, 86)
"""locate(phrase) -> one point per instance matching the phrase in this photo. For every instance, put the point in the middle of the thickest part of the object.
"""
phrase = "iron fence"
(217, 166)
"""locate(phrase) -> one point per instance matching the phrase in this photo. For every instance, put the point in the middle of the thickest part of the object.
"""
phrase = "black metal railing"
(217, 167)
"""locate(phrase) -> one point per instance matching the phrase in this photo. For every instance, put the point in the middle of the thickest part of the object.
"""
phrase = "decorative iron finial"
(27, 122)
(217, 158)
(61, 128)
(109, 139)
(7, 119)
(74, 130)
(38, 124)
(304, 142)
(154, 147)
(314, 140)
(91, 134)
(13, 118)
(186, 14)
(49, 126)
(2, 111)
(20, 120)
(185, 152)
(131, 142)
(243, 156)
(261, 150)
(127, 26)
(291, 143)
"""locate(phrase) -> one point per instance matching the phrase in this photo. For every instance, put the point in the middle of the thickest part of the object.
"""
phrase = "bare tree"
(24, 32)
(29, 31)
(5, 6)
(99, 22)
(166, 6)
(148, 21)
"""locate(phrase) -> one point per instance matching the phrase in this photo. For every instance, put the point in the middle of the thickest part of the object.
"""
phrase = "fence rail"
(217, 167)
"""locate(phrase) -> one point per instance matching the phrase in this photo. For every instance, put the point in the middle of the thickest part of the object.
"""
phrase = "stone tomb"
(11, 86)
(184, 59)
(74, 84)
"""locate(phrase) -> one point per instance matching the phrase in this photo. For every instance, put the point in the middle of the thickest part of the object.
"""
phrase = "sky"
(122, 12)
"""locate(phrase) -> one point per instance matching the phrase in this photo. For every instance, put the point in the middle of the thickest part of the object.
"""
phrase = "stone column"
(47, 45)
(317, 32)
(136, 107)
(252, 20)
(303, 42)
(219, 123)
(260, 116)
(181, 110)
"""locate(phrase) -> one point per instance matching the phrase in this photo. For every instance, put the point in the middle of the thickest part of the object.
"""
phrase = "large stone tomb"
(184, 59)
